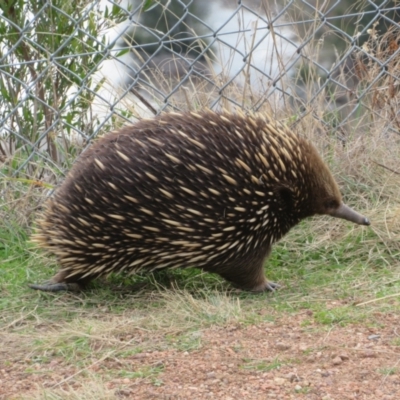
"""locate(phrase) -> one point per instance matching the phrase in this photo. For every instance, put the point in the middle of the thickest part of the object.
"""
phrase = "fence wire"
(70, 72)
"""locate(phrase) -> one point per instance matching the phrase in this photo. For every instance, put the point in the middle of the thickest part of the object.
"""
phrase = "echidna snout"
(345, 212)
(207, 190)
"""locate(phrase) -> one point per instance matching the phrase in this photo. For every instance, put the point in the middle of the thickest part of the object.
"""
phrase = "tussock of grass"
(202, 309)
(94, 389)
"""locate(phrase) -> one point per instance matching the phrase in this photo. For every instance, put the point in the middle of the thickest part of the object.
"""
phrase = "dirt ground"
(286, 359)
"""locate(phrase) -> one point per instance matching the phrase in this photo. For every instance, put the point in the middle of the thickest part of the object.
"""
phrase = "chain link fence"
(74, 70)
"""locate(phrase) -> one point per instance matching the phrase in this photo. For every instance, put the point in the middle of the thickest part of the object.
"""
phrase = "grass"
(262, 365)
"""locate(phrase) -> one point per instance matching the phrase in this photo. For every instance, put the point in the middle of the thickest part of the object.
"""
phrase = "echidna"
(207, 190)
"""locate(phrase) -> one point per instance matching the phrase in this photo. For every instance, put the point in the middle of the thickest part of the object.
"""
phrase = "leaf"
(122, 52)
(149, 5)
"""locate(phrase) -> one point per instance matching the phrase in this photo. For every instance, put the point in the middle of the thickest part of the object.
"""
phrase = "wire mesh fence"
(73, 70)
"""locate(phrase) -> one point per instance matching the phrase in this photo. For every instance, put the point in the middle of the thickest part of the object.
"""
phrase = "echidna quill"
(207, 190)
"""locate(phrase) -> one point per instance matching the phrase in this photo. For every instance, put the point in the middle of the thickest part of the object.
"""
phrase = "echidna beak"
(348, 213)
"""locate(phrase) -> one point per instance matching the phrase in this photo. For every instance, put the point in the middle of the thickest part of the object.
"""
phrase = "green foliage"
(49, 52)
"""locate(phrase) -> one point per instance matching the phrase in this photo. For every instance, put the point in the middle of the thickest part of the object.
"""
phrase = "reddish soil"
(287, 359)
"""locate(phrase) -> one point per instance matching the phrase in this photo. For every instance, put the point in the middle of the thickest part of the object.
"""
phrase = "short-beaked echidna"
(208, 190)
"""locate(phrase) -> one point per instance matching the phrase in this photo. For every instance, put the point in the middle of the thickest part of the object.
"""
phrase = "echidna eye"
(286, 196)
(331, 204)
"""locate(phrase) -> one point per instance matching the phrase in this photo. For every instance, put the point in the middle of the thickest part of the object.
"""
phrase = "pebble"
(363, 373)
(337, 361)
(139, 355)
(282, 346)
(311, 358)
(297, 388)
(303, 347)
(210, 375)
(368, 354)
(279, 381)
(291, 376)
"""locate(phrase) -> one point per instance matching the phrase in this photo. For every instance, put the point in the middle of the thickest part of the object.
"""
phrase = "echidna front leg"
(59, 283)
(249, 274)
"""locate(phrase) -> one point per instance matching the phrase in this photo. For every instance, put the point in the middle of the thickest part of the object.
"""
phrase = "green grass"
(262, 365)
(388, 371)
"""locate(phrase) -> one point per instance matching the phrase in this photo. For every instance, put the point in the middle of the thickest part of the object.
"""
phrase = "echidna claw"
(272, 286)
(265, 286)
(56, 287)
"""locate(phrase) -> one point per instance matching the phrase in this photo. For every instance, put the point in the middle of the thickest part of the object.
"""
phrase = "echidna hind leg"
(50, 286)
(60, 283)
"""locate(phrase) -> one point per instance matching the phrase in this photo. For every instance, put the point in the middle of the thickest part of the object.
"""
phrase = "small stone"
(210, 375)
(311, 358)
(303, 347)
(267, 386)
(297, 388)
(363, 373)
(279, 381)
(139, 355)
(291, 377)
(374, 337)
(282, 346)
(123, 393)
(337, 360)
(368, 354)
